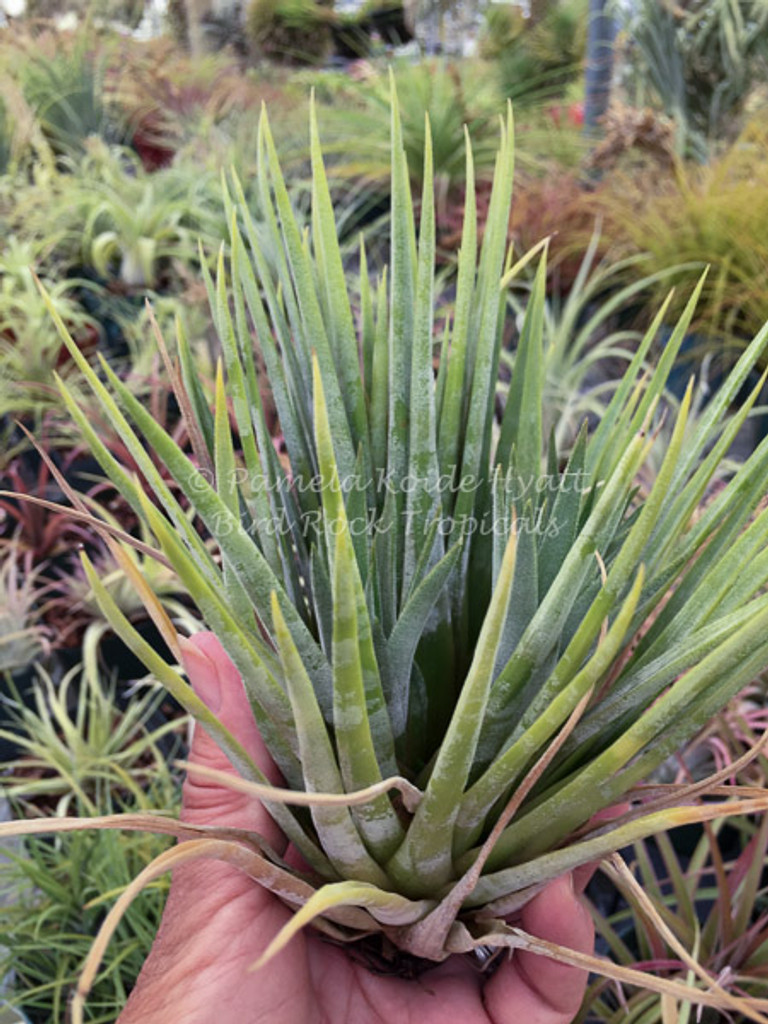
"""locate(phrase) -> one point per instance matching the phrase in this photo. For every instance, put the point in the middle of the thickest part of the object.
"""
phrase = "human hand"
(217, 922)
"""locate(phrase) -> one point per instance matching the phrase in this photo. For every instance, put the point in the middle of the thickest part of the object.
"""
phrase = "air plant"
(76, 748)
(459, 648)
(76, 753)
(134, 222)
(33, 530)
(43, 531)
(63, 85)
(30, 348)
(23, 638)
(708, 215)
(712, 902)
(75, 616)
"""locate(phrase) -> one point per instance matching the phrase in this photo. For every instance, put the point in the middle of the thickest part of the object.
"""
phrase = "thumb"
(217, 682)
(540, 990)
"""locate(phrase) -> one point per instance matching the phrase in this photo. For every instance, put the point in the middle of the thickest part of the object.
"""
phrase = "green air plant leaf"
(427, 590)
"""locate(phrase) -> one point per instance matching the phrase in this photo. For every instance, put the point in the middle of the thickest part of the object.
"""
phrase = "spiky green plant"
(577, 345)
(457, 649)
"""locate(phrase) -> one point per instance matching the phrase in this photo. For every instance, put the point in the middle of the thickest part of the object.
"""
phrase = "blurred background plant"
(714, 215)
(125, 12)
(30, 347)
(292, 31)
(701, 59)
(23, 638)
(6, 140)
(172, 102)
(132, 225)
(75, 749)
(537, 56)
(356, 124)
(708, 887)
(108, 216)
(356, 137)
(62, 79)
(57, 896)
(77, 753)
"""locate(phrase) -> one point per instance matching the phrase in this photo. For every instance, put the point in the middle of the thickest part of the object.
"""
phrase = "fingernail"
(203, 674)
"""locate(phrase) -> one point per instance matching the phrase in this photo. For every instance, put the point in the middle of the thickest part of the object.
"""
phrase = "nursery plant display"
(79, 756)
(459, 647)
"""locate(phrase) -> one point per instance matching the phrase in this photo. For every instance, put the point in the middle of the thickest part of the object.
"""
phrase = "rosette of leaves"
(458, 648)
(537, 63)
(292, 31)
(64, 87)
(502, 25)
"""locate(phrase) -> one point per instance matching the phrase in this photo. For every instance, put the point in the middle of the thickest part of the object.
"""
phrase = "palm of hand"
(217, 922)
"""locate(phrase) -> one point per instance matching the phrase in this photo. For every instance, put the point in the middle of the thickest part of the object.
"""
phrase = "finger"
(535, 988)
(583, 876)
(217, 682)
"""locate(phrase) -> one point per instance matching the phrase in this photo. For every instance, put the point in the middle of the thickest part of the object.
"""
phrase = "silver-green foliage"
(429, 591)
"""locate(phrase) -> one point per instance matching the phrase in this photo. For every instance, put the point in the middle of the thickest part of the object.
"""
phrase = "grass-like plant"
(710, 215)
(458, 647)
